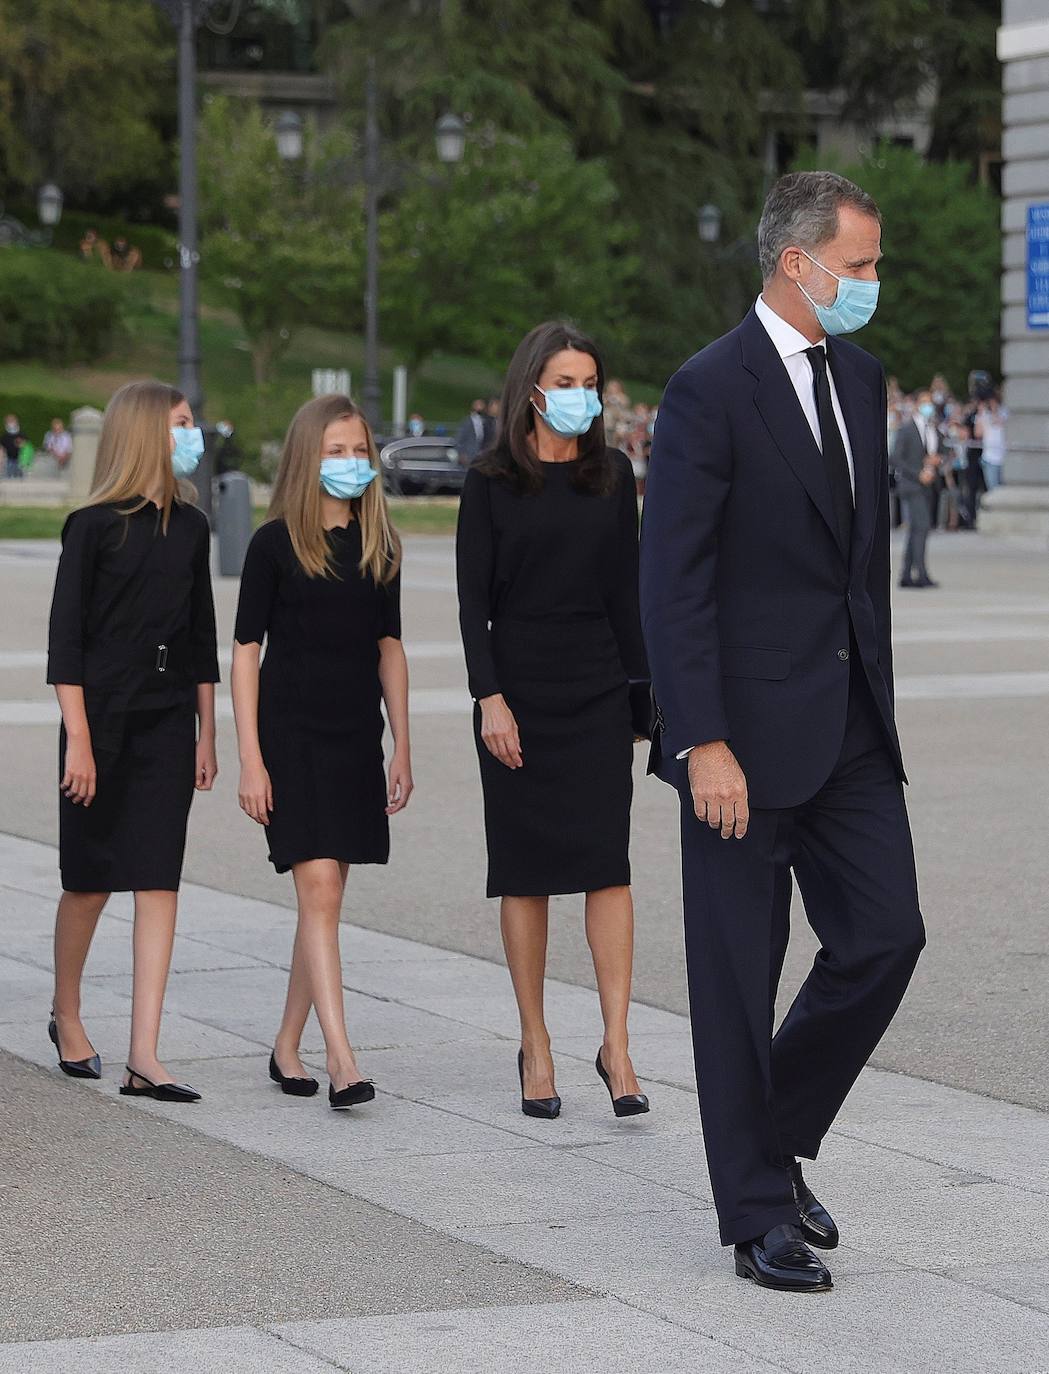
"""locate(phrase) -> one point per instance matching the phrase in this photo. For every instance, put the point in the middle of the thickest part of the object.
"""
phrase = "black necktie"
(834, 458)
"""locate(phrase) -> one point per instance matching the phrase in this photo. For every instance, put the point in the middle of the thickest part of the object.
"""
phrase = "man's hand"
(719, 789)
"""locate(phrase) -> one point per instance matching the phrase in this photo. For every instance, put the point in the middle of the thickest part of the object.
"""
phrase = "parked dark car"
(427, 465)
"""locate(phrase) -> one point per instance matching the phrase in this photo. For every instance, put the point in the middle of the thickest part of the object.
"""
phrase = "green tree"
(521, 231)
(884, 53)
(83, 86)
(939, 304)
(282, 244)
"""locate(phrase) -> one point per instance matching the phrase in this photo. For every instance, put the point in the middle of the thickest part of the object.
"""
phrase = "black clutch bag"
(642, 709)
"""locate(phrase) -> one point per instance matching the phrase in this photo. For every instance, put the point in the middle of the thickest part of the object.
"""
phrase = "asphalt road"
(973, 664)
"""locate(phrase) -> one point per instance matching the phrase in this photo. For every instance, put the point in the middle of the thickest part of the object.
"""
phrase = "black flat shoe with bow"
(630, 1104)
(294, 1087)
(780, 1259)
(161, 1092)
(75, 1068)
(546, 1108)
(352, 1095)
(817, 1224)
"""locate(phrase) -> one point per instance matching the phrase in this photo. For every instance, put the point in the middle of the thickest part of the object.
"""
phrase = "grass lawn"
(419, 515)
(441, 390)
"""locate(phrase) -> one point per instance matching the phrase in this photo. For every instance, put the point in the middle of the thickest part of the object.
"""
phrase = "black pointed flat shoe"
(780, 1259)
(91, 1067)
(352, 1095)
(546, 1108)
(630, 1104)
(817, 1224)
(294, 1087)
(161, 1092)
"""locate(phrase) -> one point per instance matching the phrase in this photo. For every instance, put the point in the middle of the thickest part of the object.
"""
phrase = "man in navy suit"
(765, 603)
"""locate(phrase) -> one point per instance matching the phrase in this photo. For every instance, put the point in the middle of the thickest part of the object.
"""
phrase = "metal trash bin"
(233, 521)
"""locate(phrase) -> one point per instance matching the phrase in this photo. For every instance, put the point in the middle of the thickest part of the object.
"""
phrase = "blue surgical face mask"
(570, 411)
(927, 409)
(346, 478)
(853, 306)
(189, 449)
(416, 428)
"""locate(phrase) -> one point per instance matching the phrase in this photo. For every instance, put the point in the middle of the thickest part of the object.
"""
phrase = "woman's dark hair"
(511, 456)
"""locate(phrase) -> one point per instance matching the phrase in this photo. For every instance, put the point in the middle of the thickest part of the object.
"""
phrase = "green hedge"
(36, 412)
(56, 310)
(159, 247)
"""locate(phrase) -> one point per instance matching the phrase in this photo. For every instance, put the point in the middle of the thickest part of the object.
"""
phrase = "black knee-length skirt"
(561, 823)
(132, 838)
(329, 793)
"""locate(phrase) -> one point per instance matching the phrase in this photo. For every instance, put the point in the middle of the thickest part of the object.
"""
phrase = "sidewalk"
(438, 1230)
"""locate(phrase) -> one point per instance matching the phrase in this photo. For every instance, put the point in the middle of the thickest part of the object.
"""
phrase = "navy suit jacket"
(747, 597)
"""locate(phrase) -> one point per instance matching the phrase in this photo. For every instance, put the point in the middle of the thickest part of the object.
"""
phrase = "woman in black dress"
(547, 571)
(131, 652)
(321, 586)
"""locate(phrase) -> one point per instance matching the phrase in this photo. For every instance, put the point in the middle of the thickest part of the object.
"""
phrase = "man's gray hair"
(802, 210)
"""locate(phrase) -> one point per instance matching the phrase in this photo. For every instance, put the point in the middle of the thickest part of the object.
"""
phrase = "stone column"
(1023, 47)
(85, 428)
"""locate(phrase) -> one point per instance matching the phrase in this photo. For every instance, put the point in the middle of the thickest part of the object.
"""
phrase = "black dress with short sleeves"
(133, 623)
(320, 715)
(548, 606)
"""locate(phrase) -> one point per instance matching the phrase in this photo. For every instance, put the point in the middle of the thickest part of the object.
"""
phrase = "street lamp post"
(450, 138)
(371, 394)
(186, 15)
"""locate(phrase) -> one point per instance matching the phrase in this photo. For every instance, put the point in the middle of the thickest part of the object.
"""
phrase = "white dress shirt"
(790, 344)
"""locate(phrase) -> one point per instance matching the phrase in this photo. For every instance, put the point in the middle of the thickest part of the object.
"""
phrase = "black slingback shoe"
(630, 1104)
(162, 1092)
(545, 1107)
(75, 1068)
(351, 1096)
(294, 1087)
(817, 1224)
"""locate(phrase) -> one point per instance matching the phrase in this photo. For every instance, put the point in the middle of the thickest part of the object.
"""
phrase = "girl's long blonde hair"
(297, 495)
(134, 450)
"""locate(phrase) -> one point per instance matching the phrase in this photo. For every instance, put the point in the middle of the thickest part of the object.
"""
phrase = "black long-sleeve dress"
(133, 623)
(320, 716)
(548, 607)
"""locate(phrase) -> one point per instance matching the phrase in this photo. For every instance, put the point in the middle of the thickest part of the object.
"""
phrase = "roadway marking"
(454, 701)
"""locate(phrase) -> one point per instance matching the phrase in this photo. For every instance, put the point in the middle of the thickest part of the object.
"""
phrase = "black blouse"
(133, 618)
(558, 553)
(321, 667)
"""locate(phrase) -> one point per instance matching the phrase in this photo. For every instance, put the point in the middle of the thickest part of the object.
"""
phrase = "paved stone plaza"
(440, 1230)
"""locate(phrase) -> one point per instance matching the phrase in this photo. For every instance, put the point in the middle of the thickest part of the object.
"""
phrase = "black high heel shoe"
(351, 1096)
(545, 1107)
(630, 1104)
(162, 1092)
(294, 1087)
(75, 1068)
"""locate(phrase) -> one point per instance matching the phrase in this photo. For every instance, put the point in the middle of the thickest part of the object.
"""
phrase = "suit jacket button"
(843, 654)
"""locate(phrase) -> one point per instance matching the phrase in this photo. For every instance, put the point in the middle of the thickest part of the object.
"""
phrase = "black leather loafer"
(782, 1260)
(817, 1224)
(294, 1087)
(352, 1095)
(75, 1068)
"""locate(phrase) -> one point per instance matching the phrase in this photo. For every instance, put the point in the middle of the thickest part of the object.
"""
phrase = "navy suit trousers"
(766, 1098)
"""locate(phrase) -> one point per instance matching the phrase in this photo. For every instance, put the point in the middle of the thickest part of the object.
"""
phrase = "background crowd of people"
(965, 444)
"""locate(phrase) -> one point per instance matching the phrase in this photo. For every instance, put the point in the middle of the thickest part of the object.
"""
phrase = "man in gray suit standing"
(472, 434)
(914, 459)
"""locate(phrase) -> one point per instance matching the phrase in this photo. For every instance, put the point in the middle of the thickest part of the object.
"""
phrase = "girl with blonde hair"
(132, 657)
(321, 586)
